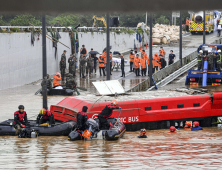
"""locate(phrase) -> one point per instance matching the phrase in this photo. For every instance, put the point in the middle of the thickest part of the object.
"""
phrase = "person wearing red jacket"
(105, 114)
(45, 116)
(20, 119)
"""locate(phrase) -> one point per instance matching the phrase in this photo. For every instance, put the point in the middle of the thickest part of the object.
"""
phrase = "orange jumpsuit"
(156, 60)
(137, 65)
(131, 56)
(56, 80)
(143, 66)
(101, 65)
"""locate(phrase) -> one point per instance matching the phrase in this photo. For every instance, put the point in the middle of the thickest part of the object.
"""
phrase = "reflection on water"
(161, 150)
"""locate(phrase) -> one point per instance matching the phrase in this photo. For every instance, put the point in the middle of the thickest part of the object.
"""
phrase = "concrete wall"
(97, 41)
(21, 62)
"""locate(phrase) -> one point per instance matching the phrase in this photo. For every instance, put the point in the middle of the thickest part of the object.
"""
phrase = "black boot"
(124, 74)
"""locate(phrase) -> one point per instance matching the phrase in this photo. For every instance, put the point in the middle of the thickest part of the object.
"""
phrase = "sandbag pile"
(164, 33)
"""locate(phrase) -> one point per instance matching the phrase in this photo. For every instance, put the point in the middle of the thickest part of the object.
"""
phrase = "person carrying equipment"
(142, 133)
(200, 59)
(20, 119)
(57, 77)
(143, 65)
(137, 64)
(196, 126)
(219, 60)
(82, 118)
(45, 116)
(105, 114)
(101, 66)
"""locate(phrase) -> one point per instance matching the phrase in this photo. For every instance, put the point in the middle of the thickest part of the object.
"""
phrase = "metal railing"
(60, 29)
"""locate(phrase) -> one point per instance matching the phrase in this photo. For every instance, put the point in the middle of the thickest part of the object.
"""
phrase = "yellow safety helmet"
(42, 111)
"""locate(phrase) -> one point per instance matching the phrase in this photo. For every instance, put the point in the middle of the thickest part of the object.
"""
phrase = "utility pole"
(180, 39)
(150, 50)
(107, 48)
(171, 18)
(44, 62)
(204, 32)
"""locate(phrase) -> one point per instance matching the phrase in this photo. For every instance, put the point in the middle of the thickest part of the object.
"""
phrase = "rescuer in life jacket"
(44, 117)
(196, 126)
(105, 114)
(187, 125)
(142, 133)
(82, 118)
(20, 119)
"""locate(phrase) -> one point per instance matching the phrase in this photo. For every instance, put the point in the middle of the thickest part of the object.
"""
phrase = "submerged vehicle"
(204, 77)
(59, 129)
(92, 132)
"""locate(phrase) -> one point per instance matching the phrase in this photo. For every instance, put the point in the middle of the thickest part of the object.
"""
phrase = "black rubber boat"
(65, 92)
(93, 132)
(59, 129)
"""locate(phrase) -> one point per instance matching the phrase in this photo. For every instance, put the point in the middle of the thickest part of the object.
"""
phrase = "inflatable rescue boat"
(92, 132)
(59, 129)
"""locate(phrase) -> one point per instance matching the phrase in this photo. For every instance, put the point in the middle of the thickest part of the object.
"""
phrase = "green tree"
(162, 20)
(1, 21)
(66, 20)
(24, 20)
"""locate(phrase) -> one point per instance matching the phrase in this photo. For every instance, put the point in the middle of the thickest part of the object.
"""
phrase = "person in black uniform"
(105, 114)
(171, 58)
(122, 66)
(142, 133)
(20, 119)
(82, 118)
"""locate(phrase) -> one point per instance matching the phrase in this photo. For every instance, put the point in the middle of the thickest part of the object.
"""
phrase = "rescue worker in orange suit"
(187, 24)
(122, 66)
(131, 56)
(187, 125)
(101, 65)
(82, 118)
(142, 133)
(143, 65)
(156, 64)
(105, 114)
(143, 52)
(83, 50)
(44, 117)
(162, 52)
(20, 119)
(57, 77)
(137, 64)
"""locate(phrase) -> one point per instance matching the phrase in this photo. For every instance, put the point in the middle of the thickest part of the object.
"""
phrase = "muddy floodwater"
(161, 150)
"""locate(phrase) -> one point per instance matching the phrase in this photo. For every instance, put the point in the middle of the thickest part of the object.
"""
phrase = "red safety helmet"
(196, 123)
(172, 129)
(188, 124)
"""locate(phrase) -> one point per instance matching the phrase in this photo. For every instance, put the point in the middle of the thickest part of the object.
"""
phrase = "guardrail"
(60, 29)
(162, 74)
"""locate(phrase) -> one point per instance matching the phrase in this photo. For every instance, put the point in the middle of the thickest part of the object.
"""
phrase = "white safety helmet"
(201, 51)
(219, 51)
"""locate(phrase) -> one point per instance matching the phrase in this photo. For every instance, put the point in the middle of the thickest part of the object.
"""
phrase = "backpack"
(83, 51)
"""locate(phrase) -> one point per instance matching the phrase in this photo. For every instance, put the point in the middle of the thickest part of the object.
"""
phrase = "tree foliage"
(24, 20)
(1, 21)
(162, 20)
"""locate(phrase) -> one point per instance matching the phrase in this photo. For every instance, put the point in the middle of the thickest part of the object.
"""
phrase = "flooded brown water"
(161, 150)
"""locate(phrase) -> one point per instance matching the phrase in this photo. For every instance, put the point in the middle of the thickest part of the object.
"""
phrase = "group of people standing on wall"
(140, 63)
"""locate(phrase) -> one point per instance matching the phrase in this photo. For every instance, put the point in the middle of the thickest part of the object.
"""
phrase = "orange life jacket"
(136, 63)
(101, 62)
(143, 63)
(132, 56)
(156, 60)
(56, 80)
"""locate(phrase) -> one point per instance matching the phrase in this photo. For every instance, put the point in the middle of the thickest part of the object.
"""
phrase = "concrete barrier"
(21, 62)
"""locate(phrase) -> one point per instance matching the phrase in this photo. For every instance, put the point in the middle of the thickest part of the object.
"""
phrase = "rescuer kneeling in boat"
(82, 118)
(105, 114)
(142, 133)
(44, 117)
(196, 126)
(20, 119)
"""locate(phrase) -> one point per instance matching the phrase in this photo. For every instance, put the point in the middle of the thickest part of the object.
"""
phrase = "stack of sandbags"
(164, 33)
